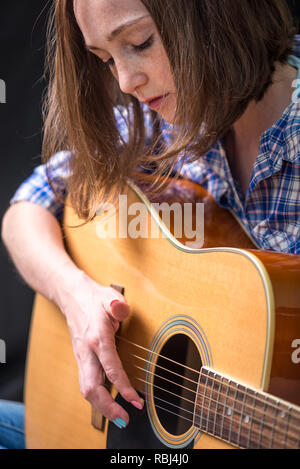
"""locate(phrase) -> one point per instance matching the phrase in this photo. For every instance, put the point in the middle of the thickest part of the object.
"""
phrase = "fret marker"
(282, 414)
(247, 419)
(229, 411)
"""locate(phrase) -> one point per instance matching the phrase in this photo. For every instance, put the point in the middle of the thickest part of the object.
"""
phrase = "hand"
(93, 313)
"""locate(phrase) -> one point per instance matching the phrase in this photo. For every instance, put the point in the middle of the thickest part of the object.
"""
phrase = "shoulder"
(290, 137)
(281, 143)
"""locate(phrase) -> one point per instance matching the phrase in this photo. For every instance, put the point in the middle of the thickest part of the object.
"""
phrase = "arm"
(33, 237)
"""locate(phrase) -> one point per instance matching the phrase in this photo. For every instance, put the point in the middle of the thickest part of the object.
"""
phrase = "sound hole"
(175, 385)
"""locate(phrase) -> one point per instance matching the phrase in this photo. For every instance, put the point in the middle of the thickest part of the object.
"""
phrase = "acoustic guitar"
(211, 342)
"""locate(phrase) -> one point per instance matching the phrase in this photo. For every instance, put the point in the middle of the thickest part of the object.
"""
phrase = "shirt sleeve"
(36, 188)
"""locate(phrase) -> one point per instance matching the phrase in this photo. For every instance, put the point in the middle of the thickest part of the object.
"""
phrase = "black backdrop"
(22, 32)
(22, 35)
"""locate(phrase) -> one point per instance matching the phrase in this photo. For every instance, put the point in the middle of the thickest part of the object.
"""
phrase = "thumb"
(119, 310)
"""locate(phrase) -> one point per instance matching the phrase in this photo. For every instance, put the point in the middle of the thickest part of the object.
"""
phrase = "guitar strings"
(199, 373)
(232, 432)
(255, 409)
(207, 430)
(207, 377)
(291, 427)
(165, 369)
(251, 431)
(266, 425)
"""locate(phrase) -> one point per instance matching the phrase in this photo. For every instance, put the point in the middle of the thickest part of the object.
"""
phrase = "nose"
(130, 77)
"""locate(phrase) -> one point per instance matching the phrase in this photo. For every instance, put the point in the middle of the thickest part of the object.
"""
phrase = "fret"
(262, 424)
(274, 425)
(241, 419)
(232, 414)
(287, 427)
(271, 435)
(209, 405)
(286, 432)
(217, 406)
(223, 415)
(228, 412)
(237, 415)
(203, 402)
(252, 418)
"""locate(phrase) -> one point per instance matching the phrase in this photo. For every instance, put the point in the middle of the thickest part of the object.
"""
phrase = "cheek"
(161, 67)
(167, 71)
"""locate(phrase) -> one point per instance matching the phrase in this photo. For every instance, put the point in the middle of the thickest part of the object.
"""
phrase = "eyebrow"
(117, 31)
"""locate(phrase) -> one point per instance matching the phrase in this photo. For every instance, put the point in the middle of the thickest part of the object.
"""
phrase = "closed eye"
(140, 48)
(145, 44)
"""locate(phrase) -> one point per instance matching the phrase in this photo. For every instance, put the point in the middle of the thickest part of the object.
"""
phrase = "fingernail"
(114, 301)
(138, 405)
(120, 423)
(117, 424)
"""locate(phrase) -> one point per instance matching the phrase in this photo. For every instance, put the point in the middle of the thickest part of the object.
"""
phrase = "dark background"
(22, 33)
(22, 37)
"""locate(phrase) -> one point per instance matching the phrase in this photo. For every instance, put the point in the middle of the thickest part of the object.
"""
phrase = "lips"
(155, 103)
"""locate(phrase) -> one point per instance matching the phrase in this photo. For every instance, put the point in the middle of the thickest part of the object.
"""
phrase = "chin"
(167, 116)
(168, 109)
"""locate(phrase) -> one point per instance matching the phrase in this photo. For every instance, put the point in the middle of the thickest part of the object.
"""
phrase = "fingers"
(115, 372)
(93, 337)
(93, 389)
(105, 348)
(101, 399)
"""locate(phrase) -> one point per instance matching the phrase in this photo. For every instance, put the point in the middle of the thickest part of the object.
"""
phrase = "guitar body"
(233, 309)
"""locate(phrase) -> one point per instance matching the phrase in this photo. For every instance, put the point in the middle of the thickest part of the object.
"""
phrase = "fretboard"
(244, 417)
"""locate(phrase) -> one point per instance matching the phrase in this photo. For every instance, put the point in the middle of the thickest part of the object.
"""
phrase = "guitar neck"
(242, 416)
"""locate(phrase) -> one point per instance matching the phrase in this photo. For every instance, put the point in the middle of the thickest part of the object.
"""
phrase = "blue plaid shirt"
(270, 212)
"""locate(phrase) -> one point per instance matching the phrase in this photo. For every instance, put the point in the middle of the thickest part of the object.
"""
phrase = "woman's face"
(124, 36)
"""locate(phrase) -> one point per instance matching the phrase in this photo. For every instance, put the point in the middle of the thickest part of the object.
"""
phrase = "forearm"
(33, 238)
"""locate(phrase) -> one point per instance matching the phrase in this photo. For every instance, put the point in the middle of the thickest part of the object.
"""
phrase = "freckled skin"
(143, 74)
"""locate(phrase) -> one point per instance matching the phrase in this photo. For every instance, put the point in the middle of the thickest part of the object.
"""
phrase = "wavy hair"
(222, 55)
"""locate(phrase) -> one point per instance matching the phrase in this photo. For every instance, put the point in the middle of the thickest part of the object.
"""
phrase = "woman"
(202, 87)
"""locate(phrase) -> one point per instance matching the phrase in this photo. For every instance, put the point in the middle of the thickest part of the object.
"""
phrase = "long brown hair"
(222, 54)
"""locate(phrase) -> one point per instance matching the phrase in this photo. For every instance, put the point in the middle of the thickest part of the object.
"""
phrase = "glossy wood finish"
(223, 230)
(226, 291)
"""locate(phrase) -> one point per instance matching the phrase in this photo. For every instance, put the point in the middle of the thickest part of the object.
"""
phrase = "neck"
(259, 117)
(242, 416)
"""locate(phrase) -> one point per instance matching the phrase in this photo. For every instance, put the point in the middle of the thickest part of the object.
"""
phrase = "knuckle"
(112, 410)
(112, 374)
(127, 394)
(107, 344)
(93, 341)
(87, 391)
